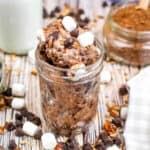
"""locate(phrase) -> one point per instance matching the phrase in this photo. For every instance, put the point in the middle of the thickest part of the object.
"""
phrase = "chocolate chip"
(19, 132)
(52, 14)
(24, 112)
(82, 24)
(86, 20)
(10, 126)
(104, 4)
(55, 35)
(87, 147)
(74, 33)
(8, 92)
(123, 90)
(117, 141)
(12, 145)
(71, 14)
(100, 146)
(103, 135)
(57, 9)
(80, 11)
(45, 14)
(37, 121)
(117, 122)
(18, 124)
(38, 134)
(18, 116)
(68, 43)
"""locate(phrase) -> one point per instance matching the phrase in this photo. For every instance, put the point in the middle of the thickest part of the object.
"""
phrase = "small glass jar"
(125, 45)
(68, 104)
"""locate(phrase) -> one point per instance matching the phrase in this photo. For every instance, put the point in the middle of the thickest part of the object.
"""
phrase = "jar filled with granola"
(127, 34)
(69, 62)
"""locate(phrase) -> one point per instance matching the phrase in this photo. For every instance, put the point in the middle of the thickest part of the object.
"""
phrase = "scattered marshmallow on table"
(18, 103)
(105, 76)
(30, 128)
(123, 112)
(69, 23)
(48, 141)
(18, 89)
(113, 147)
(86, 39)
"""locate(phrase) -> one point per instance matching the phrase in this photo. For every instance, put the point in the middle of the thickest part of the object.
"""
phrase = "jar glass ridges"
(125, 45)
(68, 104)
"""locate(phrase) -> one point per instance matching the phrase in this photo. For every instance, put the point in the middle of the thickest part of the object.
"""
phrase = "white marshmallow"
(48, 141)
(105, 76)
(18, 89)
(18, 103)
(69, 23)
(113, 147)
(41, 35)
(123, 112)
(78, 70)
(29, 128)
(86, 39)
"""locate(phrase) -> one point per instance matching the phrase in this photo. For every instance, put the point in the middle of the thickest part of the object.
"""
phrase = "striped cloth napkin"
(137, 129)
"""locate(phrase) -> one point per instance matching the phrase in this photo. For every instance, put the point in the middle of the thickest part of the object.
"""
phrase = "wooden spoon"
(144, 4)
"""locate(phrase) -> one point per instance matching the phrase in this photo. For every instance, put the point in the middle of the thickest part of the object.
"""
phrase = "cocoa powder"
(134, 18)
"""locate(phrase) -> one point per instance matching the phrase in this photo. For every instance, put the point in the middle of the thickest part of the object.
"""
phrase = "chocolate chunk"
(19, 132)
(87, 147)
(8, 100)
(86, 20)
(117, 141)
(68, 43)
(24, 112)
(80, 11)
(52, 14)
(103, 135)
(104, 4)
(57, 9)
(18, 116)
(55, 35)
(38, 134)
(12, 145)
(8, 92)
(117, 122)
(74, 33)
(100, 146)
(45, 14)
(71, 144)
(123, 90)
(10, 126)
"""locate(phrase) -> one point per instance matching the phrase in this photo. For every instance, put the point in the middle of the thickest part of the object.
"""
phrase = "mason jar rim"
(126, 32)
(99, 61)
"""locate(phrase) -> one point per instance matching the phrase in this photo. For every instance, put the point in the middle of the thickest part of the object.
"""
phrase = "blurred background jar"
(20, 21)
(126, 45)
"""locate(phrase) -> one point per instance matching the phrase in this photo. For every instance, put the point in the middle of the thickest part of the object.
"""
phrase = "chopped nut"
(34, 72)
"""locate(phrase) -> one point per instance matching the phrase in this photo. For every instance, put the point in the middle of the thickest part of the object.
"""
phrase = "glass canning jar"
(126, 45)
(68, 105)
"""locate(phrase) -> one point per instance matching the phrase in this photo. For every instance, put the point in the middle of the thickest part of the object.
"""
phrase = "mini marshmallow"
(86, 39)
(41, 35)
(123, 112)
(18, 103)
(29, 128)
(18, 89)
(105, 76)
(69, 23)
(48, 141)
(113, 147)
(78, 70)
